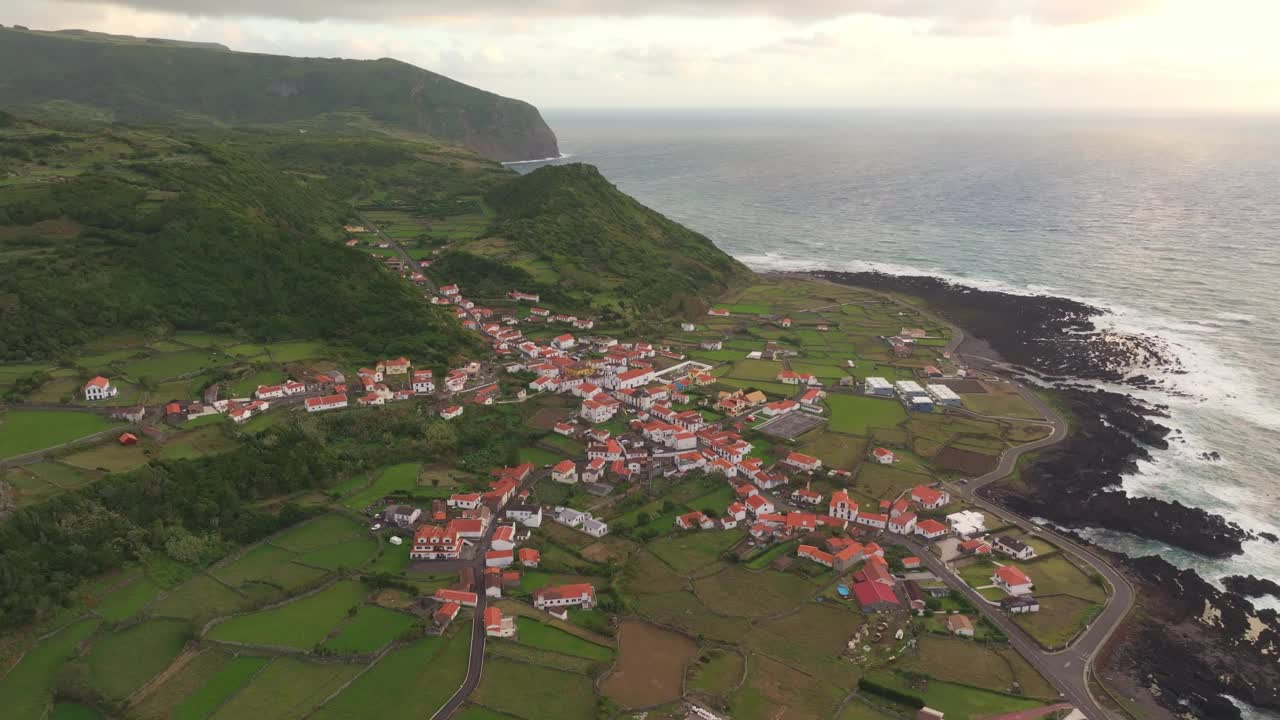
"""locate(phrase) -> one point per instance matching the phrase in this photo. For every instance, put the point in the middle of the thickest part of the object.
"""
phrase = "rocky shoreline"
(1190, 644)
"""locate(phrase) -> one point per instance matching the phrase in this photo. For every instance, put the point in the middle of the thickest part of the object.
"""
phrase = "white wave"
(561, 156)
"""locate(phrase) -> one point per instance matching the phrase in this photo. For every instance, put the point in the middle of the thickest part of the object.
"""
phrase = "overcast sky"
(1197, 55)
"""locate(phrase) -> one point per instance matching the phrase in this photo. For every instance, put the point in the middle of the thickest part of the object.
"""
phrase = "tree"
(643, 518)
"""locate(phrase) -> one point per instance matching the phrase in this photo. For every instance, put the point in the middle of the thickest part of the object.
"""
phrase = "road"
(475, 661)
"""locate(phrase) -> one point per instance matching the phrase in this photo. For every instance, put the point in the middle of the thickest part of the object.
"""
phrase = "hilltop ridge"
(98, 77)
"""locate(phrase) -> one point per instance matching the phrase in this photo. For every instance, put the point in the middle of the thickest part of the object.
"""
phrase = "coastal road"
(1067, 669)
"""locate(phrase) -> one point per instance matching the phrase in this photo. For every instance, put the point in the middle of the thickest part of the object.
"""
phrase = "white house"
(423, 382)
(878, 386)
(326, 402)
(563, 342)
(967, 523)
(903, 524)
(451, 412)
(1013, 547)
(882, 456)
(527, 515)
(875, 520)
(565, 595)
(565, 471)
(1012, 580)
(99, 388)
(595, 527)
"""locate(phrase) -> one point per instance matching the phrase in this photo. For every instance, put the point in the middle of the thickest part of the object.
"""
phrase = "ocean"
(1171, 224)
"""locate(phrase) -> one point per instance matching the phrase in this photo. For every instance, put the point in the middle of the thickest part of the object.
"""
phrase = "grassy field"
(834, 449)
(168, 365)
(856, 414)
(421, 676)
(300, 623)
(121, 662)
(970, 663)
(287, 689)
(371, 628)
(24, 691)
(1054, 574)
(110, 456)
(269, 564)
(959, 701)
(736, 591)
(351, 554)
(537, 456)
(127, 601)
(774, 690)
(1000, 405)
(229, 679)
(716, 672)
(542, 636)
(30, 430)
(395, 477)
(321, 532)
(245, 386)
(1059, 619)
(689, 550)
(535, 692)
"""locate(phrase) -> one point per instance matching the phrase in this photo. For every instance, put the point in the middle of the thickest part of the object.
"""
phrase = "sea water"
(1172, 224)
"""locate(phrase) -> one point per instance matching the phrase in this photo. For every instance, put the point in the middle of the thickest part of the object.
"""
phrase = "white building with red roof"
(1012, 580)
(930, 498)
(565, 471)
(759, 505)
(99, 388)
(802, 461)
(398, 366)
(780, 407)
(903, 523)
(882, 456)
(461, 597)
(841, 507)
(931, 529)
(875, 520)
(431, 542)
(563, 342)
(449, 290)
(451, 412)
(423, 382)
(325, 402)
(556, 596)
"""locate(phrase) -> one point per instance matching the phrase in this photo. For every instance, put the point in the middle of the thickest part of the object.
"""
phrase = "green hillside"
(570, 234)
(92, 76)
(113, 229)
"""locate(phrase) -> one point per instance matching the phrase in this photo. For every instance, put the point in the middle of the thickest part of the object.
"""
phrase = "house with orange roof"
(446, 613)
(498, 625)
(802, 461)
(882, 456)
(911, 563)
(807, 496)
(431, 542)
(529, 557)
(812, 396)
(780, 407)
(326, 402)
(1012, 580)
(565, 471)
(810, 552)
(929, 498)
(840, 506)
(758, 505)
(499, 558)
(461, 597)
(99, 388)
(694, 520)
(874, 520)
(931, 529)
(558, 596)
(423, 382)
(398, 366)
(451, 412)
(903, 523)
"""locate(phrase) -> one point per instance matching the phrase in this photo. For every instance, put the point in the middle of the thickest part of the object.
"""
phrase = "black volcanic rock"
(1251, 586)
(1197, 644)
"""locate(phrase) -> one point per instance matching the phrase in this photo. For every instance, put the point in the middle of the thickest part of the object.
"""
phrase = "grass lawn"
(168, 365)
(286, 690)
(267, 564)
(960, 701)
(321, 532)
(121, 662)
(1000, 404)
(72, 711)
(571, 448)
(774, 690)
(1059, 619)
(762, 560)
(284, 352)
(301, 623)
(420, 676)
(1054, 574)
(24, 691)
(760, 370)
(970, 663)
(538, 456)
(736, 591)
(127, 601)
(689, 550)
(23, 431)
(110, 456)
(535, 692)
(208, 440)
(977, 574)
(351, 554)
(370, 629)
(245, 386)
(834, 449)
(232, 676)
(856, 414)
(716, 672)
(544, 637)
(200, 597)
(388, 479)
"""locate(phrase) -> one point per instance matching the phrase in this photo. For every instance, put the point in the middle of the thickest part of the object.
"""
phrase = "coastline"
(1169, 653)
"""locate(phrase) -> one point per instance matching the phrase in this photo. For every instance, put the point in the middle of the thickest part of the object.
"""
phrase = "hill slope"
(150, 82)
(127, 229)
(569, 233)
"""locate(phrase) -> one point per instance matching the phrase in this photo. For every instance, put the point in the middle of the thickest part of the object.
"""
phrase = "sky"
(1150, 55)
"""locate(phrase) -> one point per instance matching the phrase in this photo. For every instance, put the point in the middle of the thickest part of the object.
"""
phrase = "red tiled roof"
(870, 593)
(1011, 575)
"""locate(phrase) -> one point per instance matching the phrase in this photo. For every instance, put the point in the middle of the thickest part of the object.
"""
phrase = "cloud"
(948, 12)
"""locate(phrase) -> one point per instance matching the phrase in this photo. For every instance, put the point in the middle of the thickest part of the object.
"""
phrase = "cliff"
(96, 77)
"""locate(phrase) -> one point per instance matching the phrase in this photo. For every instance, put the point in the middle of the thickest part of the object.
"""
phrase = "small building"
(929, 498)
(911, 563)
(557, 596)
(1013, 547)
(960, 625)
(944, 395)
(688, 327)
(931, 529)
(1012, 580)
(498, 625)
(99, 388)
(802, 461)
(128, 439)
(326, 402)
(529, 557)
(446, 613)
(566, 472)
(877, 386)
(401, 515)
(882, 456)
(875, 597)
(1019, 604)
(967, 523)
(451, 412)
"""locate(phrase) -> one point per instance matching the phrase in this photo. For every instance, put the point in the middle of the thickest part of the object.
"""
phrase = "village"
(724, 451)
